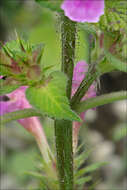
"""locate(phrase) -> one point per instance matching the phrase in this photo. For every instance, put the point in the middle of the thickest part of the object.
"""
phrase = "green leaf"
(83, 180)
(4, 70)
(89, 28)
(36, 174)
(104, 66)
(89, 168)
(4, 64)
(122, 66)
(81, 158)
(45, 69)
(5, 89)
(50, 98)
(11, 46)
(115, 16)
(38, 51)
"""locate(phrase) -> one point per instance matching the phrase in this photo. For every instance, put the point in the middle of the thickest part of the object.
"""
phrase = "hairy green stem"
(63, 132)
(68, 35)
(63, 129)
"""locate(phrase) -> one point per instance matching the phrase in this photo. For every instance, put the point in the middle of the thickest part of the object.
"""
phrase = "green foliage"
(116, 63)
(81, 158)
(20, 60)
(105, 66)
(45, 174)
(4, 64)
(81, 181)
(113, 25)
(22, 51)
(47, 179)
(100, 100)
(89, 28)
(82, 175)
(4, 71)
(5, 89)
(115, 16)
(50, 98)
(89, 169)
(46, 182)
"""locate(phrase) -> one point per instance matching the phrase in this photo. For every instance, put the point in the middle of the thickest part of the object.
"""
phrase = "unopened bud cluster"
(20, 63)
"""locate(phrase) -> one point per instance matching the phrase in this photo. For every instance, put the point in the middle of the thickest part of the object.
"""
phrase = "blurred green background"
(18, 148)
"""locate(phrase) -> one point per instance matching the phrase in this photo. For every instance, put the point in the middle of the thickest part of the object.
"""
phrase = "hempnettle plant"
(29, 90)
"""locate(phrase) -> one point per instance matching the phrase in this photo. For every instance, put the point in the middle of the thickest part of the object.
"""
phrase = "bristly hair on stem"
(63, 128)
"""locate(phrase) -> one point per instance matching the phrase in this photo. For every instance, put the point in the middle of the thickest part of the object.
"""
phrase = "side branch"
(100, 101)
(19, 115)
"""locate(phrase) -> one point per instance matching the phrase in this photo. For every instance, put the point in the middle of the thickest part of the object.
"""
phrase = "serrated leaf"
(50, 98)
(122, 66)
(5, 89)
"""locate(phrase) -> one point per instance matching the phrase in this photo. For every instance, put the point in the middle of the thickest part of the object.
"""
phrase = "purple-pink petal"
(79, 73)
(17, 101)
(83, 10)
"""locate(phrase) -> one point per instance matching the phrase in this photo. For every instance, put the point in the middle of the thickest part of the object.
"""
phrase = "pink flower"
(78, 75)
(17, 101)
(83, 10)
